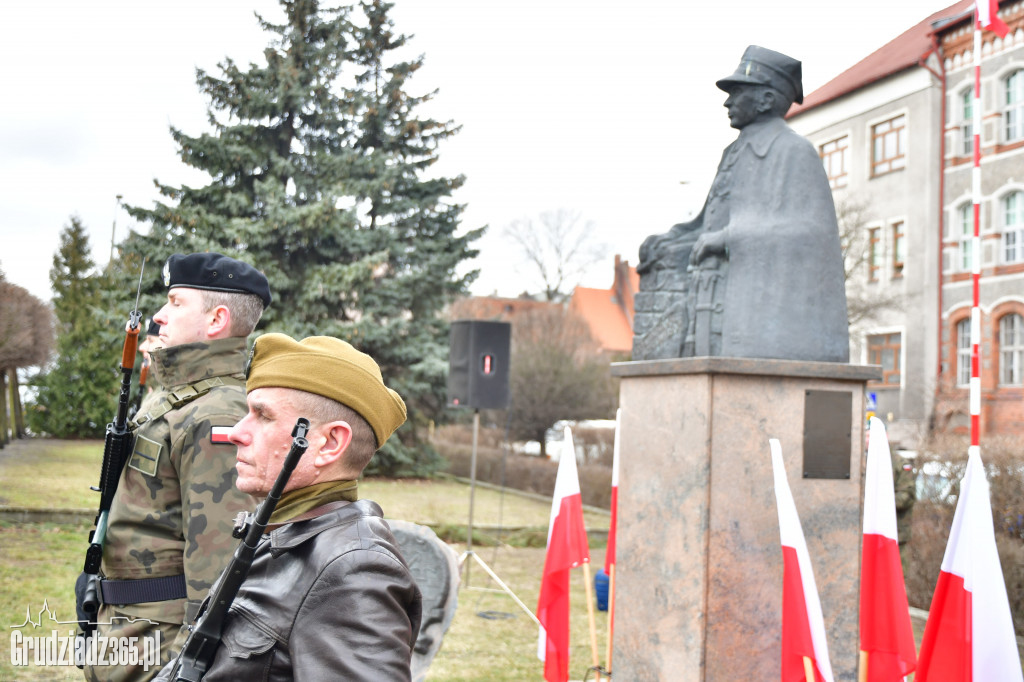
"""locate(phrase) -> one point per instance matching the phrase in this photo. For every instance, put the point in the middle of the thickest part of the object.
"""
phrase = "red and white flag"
(567, 549)
(986, 10)
(804, 648)
(886, 635)
(609, 556)
(969, 635)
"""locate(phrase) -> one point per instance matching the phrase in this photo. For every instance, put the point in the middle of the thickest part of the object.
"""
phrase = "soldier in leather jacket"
(328, 596)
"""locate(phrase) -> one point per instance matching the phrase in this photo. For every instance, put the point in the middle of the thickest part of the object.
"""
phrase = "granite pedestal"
(698, 590)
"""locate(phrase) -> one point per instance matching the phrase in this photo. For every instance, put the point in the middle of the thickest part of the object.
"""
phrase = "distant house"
(607, 312)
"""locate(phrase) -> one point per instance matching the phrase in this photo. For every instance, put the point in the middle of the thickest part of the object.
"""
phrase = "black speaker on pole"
(478, 364)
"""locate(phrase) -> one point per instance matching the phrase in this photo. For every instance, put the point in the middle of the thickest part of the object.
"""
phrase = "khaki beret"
(331, 368)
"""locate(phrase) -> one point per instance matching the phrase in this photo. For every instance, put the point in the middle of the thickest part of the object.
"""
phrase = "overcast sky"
(605, 108)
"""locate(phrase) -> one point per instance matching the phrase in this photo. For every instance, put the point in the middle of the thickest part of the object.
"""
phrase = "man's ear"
(220, 322)
(337, 436)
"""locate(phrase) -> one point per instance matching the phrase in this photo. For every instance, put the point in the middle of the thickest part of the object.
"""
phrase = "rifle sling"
(185, 395)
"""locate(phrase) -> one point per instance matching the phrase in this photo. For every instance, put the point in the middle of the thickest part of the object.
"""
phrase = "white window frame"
(1011, 350)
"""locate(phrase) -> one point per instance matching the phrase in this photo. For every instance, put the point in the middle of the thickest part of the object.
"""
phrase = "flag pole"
(975, 385)
(590, 616)
(808, 669)
(862, 674)
(611, 615)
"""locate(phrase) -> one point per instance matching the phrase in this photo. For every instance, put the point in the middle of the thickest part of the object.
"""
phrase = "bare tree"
(864, 303)
(26, 339)
(560, 246)
(557, 372)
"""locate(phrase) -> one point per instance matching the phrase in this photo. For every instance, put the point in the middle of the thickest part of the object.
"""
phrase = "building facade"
(894, 133)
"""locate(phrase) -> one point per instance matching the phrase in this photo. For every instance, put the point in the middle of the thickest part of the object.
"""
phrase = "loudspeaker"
(478, 364)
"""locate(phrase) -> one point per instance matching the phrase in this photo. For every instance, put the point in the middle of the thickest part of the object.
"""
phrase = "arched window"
(963, 352)
(1013, 106)
(1011, 350)
(965, 236)
(1013, 227)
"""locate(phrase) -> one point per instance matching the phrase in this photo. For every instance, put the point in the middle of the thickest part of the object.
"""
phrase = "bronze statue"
(759, 273)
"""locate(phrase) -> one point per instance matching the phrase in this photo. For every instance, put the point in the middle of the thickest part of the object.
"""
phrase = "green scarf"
(296, 502)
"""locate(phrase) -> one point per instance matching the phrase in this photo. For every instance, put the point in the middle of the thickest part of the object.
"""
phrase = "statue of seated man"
(761, 266)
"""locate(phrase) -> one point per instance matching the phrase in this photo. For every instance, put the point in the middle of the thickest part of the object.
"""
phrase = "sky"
(605, 109)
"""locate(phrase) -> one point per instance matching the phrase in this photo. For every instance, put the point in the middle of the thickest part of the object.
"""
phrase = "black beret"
(153, 329)
(215, 272)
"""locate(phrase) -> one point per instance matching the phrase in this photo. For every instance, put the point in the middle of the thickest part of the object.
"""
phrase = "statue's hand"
(708, 244)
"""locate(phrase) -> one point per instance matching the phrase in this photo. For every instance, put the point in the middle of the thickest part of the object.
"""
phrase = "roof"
(605, 317)
(494, 307)
(609, 312)
(904, 52)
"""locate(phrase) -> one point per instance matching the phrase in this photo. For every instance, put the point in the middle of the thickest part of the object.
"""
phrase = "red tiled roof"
(609, 312)
(899, 54)
(605, 317)
(493, 308)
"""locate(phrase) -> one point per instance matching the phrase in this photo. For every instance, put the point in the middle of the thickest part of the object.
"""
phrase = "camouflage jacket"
(176, 498)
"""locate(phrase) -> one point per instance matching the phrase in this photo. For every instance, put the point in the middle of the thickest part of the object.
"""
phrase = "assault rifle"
(117, 447)
(204, 637)
(143, 374)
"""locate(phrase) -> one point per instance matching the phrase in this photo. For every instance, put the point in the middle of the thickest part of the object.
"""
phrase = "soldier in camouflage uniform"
(170, 522)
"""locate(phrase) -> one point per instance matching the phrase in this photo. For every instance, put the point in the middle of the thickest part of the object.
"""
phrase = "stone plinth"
(698, 591)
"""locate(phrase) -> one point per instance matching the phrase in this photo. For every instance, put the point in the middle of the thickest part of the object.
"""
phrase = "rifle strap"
(185, 395)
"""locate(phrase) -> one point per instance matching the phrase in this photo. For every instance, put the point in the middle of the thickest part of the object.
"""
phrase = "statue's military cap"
(329, 367)
(761, 66)
(215, 272)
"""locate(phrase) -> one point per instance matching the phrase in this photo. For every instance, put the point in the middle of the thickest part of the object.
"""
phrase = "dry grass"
(67, 467)
(491, 638)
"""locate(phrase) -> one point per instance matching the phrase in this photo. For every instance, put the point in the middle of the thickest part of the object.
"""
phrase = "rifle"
(143, 374)
(117, 447)
(204, 637)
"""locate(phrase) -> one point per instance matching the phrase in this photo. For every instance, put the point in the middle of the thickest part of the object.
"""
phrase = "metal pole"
(472, 489)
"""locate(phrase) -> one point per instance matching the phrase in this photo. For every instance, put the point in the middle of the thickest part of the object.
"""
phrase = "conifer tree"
(77, 395)
(320, 176)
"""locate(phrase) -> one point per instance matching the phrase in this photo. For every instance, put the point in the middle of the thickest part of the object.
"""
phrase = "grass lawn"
(491, 638)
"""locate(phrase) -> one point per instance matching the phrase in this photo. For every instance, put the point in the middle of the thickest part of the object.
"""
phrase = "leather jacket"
(330, 598)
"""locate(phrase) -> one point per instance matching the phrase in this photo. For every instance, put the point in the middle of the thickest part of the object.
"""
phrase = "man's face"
(743, 104)
(148, 345)
(263, 438)
(182, 319)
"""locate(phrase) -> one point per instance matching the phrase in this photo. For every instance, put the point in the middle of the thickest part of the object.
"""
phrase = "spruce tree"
(77, 395)
(319, 170)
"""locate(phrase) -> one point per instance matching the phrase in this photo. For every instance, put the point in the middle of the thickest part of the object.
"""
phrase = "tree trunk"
(17, 414)
(3, 408)
(542, 439)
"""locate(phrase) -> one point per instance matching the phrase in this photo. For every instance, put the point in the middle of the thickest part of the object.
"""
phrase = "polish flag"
(567, 549)
(886, 635)
(804, 649)
(969, 635)
(609, 556)
(986, 10)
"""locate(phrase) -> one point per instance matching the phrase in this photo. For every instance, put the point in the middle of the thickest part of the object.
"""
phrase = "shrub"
(500, 466)
(933, 514)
